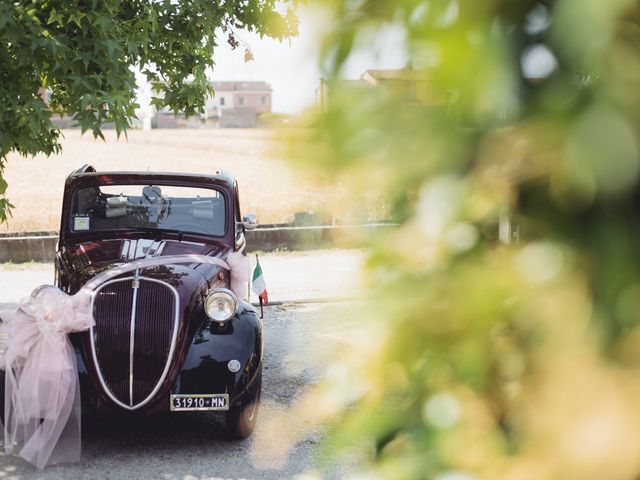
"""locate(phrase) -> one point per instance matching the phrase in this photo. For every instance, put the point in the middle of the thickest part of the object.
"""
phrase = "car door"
(240, 239)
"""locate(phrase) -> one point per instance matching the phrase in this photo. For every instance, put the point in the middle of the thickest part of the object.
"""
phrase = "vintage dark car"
(170, 337)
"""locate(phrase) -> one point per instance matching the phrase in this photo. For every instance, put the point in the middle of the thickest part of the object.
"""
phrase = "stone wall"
(42, 247)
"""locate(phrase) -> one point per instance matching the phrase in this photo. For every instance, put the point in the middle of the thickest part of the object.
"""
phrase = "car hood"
(86, 259)
(189, 281)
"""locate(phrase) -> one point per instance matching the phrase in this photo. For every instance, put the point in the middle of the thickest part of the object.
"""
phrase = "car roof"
(87, 172)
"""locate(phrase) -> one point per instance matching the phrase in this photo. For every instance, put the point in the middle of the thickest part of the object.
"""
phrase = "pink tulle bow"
(239, 266)
(42, 393)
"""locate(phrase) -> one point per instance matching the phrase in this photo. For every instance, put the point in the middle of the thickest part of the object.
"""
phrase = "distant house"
(407, 85)
(235, 105)
(256, 95)
(324, 91)
(238, 104)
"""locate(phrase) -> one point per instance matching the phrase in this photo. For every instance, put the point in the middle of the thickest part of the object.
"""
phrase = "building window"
(222, 101)
(263, 100)
(240, 101)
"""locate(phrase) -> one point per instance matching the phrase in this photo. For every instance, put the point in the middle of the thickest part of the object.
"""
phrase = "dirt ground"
(269, 186)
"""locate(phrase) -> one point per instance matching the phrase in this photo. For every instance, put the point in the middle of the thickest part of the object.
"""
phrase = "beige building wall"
(260, 101)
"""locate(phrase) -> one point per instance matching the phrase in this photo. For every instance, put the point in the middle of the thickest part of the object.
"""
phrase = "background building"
(238, 104)
(407, 85)
(235, 105)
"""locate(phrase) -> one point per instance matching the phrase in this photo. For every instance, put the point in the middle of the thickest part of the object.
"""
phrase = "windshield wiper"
(154, 230)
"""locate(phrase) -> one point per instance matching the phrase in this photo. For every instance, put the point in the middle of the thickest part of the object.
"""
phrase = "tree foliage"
(483, 360)
(85, 52)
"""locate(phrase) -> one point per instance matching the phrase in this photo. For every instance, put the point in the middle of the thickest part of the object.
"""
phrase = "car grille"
(131, 367)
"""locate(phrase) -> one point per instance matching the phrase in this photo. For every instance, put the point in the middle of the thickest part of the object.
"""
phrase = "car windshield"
(143, 207)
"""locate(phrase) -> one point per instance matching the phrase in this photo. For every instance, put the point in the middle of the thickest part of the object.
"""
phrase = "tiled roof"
(241, 86)
(348, 82)
(399, 74)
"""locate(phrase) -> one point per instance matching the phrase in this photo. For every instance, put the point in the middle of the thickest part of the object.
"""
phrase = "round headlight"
(220, 305)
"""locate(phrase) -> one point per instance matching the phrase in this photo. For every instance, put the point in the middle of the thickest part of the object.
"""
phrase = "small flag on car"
(259, 287)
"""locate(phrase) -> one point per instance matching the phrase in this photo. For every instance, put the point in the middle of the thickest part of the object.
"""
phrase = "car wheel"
(242, 418)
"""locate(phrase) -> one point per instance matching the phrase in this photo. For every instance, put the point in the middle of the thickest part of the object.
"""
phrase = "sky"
(291, 67)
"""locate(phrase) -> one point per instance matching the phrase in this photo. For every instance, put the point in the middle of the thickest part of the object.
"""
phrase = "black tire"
(242, 417)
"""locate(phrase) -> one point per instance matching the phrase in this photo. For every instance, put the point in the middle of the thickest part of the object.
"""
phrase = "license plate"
(189, 403)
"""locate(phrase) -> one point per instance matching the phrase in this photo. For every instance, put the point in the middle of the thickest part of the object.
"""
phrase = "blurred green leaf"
(501, 339)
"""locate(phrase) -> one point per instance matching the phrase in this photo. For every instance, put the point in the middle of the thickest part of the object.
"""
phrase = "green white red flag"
(257, 283)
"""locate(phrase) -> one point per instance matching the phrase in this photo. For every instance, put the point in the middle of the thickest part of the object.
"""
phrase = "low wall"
(41, 247)
(36, 248)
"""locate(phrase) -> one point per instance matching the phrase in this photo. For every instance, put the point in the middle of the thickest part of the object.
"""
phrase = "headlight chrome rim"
(221, 305)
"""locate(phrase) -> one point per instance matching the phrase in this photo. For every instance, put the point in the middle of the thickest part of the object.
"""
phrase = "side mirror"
(250, 221)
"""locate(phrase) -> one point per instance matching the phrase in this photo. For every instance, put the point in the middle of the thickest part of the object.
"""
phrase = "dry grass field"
(269, 187)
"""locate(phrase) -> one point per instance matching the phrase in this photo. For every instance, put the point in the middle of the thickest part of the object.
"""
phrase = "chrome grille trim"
(172, 345)
(132, 330)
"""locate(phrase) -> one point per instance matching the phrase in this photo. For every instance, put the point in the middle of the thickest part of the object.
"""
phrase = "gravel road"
(299, 341)
(191, 446)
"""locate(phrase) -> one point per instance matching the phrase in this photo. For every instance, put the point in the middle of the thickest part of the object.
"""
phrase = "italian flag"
(258, 285)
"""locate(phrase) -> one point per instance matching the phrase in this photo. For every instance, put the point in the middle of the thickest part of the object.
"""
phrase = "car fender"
(205, 368)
